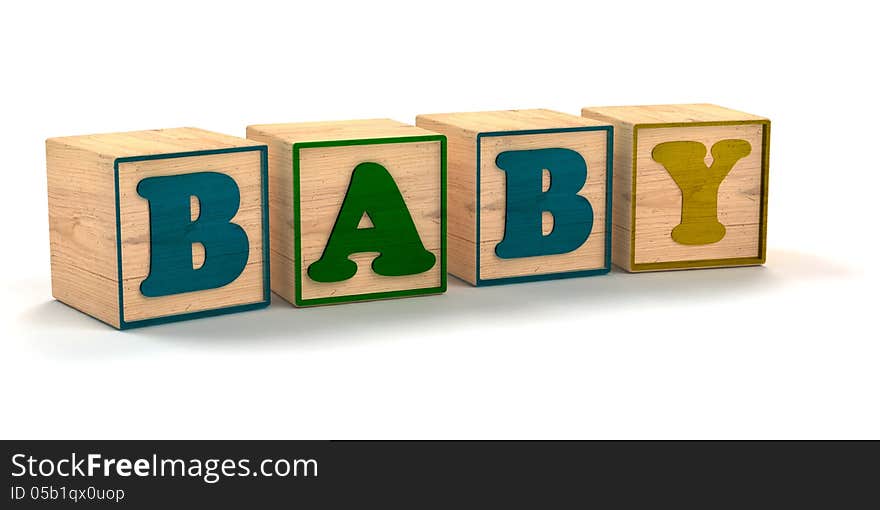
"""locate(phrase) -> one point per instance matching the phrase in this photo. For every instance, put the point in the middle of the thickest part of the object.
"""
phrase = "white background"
(789, 350)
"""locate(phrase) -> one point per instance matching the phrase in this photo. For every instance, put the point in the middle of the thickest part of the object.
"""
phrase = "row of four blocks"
(163, 225)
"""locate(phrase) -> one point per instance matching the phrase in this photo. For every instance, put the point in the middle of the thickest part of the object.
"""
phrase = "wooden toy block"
(529, 194)
(156, 226)
(358, 210)
(690, 186)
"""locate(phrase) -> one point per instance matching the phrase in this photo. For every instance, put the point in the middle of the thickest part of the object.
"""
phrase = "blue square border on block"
(267, 291)
(609, 141)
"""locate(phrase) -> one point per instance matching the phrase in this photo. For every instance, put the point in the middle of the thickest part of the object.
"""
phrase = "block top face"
(667, 114)
(151, 142)
(510, 120)
(300, 132)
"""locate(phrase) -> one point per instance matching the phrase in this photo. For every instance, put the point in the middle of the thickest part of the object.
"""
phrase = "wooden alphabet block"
(358, 210)
(529, 194)
(690, 186)
(158, 226)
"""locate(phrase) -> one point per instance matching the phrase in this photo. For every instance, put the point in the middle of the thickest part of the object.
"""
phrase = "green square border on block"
(297, 238)
(609, 169)
(694, 264)
(267, 291)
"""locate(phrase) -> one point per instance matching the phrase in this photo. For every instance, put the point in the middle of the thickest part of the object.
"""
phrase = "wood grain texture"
(301, 132)
(493, 195)
(151, 142)
(82, 230)
(325, 173)
(621, 220)
(462, 131)
(281, 225)
(658, 198)
(82, 213)
(665, 114)
(461, 198)
(642, 229)
(244, 168)
(506, 120)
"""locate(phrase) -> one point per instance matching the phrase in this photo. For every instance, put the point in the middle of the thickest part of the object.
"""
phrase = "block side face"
(82, 232)
(622, 227)
(281, 224)
(508, 120)
(246, 167)
(461, 198)
(153, 142)
(660, 209)
(305, 132)
(323, 179)
(668, 113)
(591, 256)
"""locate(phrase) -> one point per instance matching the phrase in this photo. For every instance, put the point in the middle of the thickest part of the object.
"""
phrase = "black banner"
(415, 474)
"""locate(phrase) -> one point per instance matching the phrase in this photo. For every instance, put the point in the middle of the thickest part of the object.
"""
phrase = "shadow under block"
(529, 194)
(158, 226)
(690, 184)
(358, 210)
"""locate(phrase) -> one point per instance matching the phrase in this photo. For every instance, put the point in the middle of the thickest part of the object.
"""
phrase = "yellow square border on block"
(690, 264)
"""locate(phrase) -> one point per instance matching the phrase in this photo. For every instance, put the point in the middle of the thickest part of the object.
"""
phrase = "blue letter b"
(526, 202)
(173, 232)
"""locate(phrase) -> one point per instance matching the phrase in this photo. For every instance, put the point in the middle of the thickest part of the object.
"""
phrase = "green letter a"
(373, 192)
